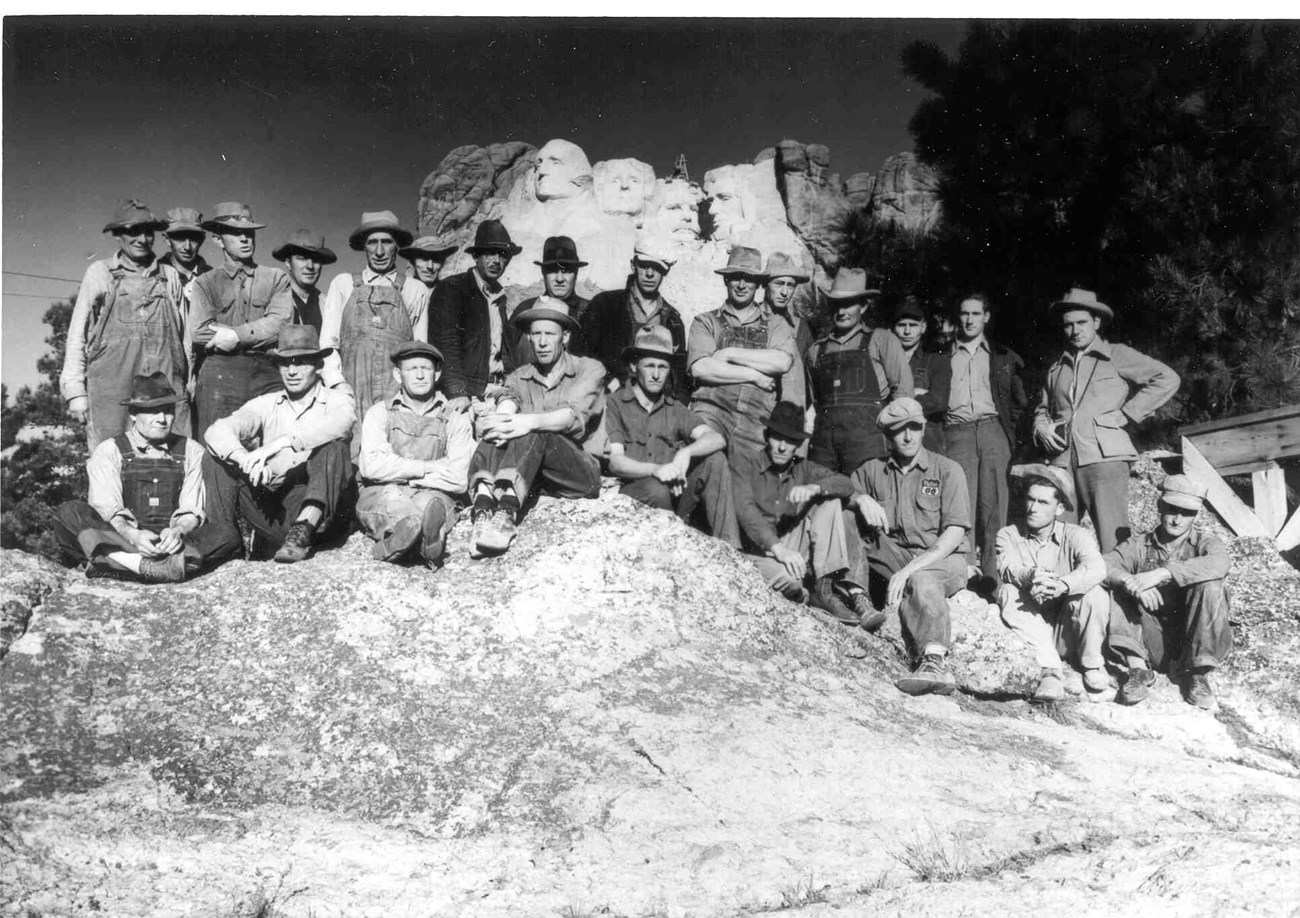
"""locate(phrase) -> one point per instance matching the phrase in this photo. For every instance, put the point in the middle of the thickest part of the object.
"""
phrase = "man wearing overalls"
(304, 255)
(744, 359)
(236, 312)
(855, 369)
(128, 320)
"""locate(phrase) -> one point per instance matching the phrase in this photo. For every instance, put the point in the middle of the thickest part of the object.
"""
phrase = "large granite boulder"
(469, 186)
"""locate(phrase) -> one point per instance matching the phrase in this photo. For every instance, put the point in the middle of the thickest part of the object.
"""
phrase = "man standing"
(304, 255)
(236, 312)
(931, 371)
(1093, 391)
(185, 234)
(467, 317)
(614, 319)
(145, 498)
(665, 456)
(1051, 592)
(291, 487)
(916, 512)
(128, 321)
(427, 255)
(559, 264)
(1169, 604)
(784, 275)
(535, 434)
(854, 369)
(415, 454)
(742, 357)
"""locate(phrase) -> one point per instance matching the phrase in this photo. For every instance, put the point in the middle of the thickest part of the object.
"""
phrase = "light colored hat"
(1053, 475)
(546, 307)
(131, 213)
(1181, 491)
(307, 242)
(1081, 299)
(850, 284)
(231, 214)
(743, 260)
(184, 220)
(655, 341)
(654, 250)
(782, 265)
(429, 247)
(899, 412)
(375, 221)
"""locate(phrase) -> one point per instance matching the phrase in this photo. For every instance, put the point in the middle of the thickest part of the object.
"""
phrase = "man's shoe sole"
(400, 541)
(909, 685)
(873, 622)
(291, 555)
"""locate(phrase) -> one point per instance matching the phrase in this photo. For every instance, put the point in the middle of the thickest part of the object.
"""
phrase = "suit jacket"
(1005, 381)
(460, 327)
(608, 328)
(1116, 385)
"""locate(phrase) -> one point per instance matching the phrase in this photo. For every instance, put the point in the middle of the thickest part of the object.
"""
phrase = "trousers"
(1191, 630)
(825, 537)
(1102, 491)
(381, 506)
(924, 612)
(554, 460)
(981, 448)
(83, 534)
(708, 483)
(1068, 628)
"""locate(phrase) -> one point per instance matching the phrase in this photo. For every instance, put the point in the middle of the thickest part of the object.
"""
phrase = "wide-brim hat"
(430, 247)
(184, 220)
(306, 242)
(561, 251)
(1079, 298)
(233, 215)
(298, 341)
(405, 349)
(655, 341)
(152, 391)
(743, 260)
(492, 236)
(782, 265)
(850, 285)
(131, 214)
(546, 307)
(787, 419)
(1182, 491)
(1053, 475)
(378, 221)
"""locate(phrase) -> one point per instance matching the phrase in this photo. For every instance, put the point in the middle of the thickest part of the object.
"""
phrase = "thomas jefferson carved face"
(623, 186)
(561, 170)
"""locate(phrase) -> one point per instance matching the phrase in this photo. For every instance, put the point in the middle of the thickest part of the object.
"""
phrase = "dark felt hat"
(152, 391)
(377, 221)
(560, 250)
(546, 307)
(405, 349)
(307, 243)
(298, 341)
(787, 419)
(131, 214)
(492, 236)
(233, 215)
(910, 308)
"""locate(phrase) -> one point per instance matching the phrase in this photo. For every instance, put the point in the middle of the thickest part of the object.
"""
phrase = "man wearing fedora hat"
(1169, 603)
(290, 489)
(916, 518)
(1093, 392)
(665, 456)
(129, 320)
(854, 369)
(535, 434)
(559, 264)
(743, 359)
(614, 319)
(415, 454)
(236, 311)
(931, 370)
(467, 317)
(146, 496)
(427, 255)
(1050, 592)
(185, 236)
(792, 520)
(304, 255)
(784, 275)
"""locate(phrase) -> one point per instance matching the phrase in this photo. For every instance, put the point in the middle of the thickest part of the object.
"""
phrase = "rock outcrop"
(906, 192)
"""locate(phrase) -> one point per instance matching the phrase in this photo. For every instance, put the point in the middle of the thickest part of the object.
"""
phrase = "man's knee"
(649, 491)
(928, 588)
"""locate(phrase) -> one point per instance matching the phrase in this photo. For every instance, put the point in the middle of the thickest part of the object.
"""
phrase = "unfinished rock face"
(907, 193)
(469, 186)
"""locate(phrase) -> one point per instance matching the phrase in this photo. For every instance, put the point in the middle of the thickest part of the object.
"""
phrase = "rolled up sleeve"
(702, 341)
(585, 396)
(331, 323)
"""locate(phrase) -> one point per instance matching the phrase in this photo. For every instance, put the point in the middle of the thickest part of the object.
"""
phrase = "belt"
(991, 419)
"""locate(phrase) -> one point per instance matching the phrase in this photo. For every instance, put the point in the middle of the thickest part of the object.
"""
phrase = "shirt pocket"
(929, 507)
(1112, 439)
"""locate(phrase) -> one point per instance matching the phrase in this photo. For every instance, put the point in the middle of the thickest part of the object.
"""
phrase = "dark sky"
(312, 120)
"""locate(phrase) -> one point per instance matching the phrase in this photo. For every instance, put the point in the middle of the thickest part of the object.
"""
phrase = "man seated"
(665, 456)
(1169, 604)
(289, 488)
(1051, 594)
(415, 453)
(792, 519)
(535, 429)
(145, 496)
(916, 512)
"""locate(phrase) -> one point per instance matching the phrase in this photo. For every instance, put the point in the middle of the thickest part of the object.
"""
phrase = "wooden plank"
(1242, 420)
(1269, 487)
(1245, 468)
(1289, 537)
(1238, 517)
(1232, 447)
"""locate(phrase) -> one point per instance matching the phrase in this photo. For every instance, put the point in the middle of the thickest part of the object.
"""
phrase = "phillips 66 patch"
(930, 486)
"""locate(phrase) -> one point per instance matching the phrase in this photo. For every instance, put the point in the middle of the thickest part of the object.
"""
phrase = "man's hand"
(873, 515)
(254, 463)
(764, 382)
(1151, 580)
(1048, 438)
(79, 408)
(170, 540)
(897, 586)
(144, 542)
(1151, 599)
(223, 339)
(802, 494)
(791, 560)
(459, 405)
(1047, 586)
(499, 428)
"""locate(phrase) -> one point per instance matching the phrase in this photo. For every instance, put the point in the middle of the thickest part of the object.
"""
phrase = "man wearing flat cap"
(236, 311)
(536, 430)
(290, 488)
(304, 255)
(144, 515)
(931, 370)
(743, 359)
(854, 369)
(415, 454)
(467, 318)
(129, 320)
(784, 275)
(793, 523)
(1169, 604)
(916, 519)
(665, 456)
(185, 235)
(559, 264)
(1093, 392)
(615, 318)
(1050, 592)
(427, 255)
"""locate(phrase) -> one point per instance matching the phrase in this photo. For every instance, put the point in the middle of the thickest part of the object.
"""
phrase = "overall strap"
(125, 448)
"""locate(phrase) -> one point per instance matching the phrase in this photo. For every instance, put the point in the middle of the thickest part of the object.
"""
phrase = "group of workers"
(231, 408)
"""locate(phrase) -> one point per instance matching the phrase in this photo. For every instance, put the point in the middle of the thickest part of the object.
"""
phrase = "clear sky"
(310, 121)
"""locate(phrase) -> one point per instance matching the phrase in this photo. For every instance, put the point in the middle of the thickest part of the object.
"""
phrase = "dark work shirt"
(307, 312)
(1195, 558)
(763, 506)
(920, 501)
(648, 436)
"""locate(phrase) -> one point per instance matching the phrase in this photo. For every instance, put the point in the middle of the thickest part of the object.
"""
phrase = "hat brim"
(850, 297)
(174, 228)
(789, 433)
(1182, 501)
(155, 225)
(797, 278)
(324, 256)
(530, 315)
(562, 263)
(511, 250)
(633, 353)
(1098, 309)
(410, 252)
(665, 266)
(729, 271)
(357, 241)
(144, 404)
(276, 354)
(216, 226)
(1037, 471)
(409, 355)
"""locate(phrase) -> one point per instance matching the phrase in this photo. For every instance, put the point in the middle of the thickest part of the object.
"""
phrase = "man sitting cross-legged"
(536, 429)
(415, 453)
(666, 456)
(1051, 594)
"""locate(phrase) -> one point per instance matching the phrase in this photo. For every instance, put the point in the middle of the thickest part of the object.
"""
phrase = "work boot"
(297, 543)
(930, 675)
(1050, 688)
(1136, 687)
(870, 618)
(163, 570)
(823, 597)
(1073, 680)
(1095, 680)
(498, 531)
(399, 542)
(1198, 690)
(434, 543)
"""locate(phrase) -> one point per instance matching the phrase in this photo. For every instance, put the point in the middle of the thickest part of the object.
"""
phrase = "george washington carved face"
(561, 170)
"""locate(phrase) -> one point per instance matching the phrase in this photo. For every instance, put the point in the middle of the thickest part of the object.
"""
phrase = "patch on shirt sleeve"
(930, 487)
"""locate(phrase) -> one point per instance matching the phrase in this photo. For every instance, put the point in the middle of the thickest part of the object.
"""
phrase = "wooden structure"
(1248, 444)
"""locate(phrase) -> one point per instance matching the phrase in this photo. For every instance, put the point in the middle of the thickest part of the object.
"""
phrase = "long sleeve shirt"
(1066, 550)
(762, 492)
(92, 295)
(379, 463)
(414, 294)
(710, 329)
(576, 383)
(104, 473)
(888, 359)
(970, 396)
(1195, 558)
(318, 417)
(920, 500)
(253, 300)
